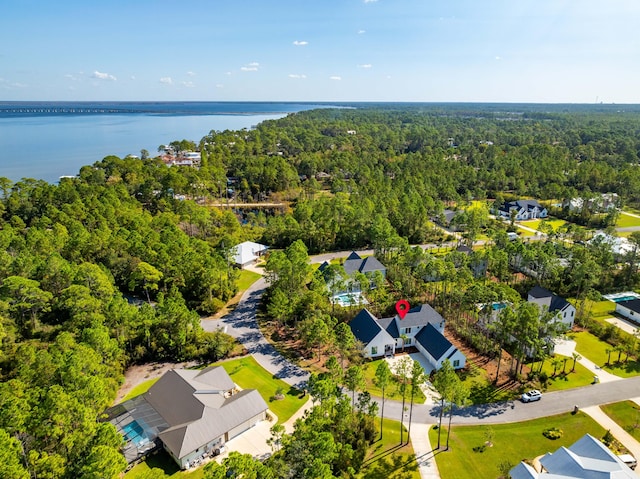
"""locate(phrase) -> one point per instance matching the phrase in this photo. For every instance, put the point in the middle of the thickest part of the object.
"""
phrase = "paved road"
(557, 402)
(241, 323)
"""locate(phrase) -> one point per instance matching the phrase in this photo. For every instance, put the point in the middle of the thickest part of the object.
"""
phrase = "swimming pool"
(134, 433)
(624, 298)
(350, 299)
(619, 297)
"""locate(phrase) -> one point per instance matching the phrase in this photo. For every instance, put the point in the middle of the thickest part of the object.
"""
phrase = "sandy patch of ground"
(138, 374)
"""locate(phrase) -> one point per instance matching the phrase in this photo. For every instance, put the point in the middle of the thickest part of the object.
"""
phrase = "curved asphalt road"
(242, 324)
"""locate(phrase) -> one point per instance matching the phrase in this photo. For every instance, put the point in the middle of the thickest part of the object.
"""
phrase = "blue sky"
(577, 51)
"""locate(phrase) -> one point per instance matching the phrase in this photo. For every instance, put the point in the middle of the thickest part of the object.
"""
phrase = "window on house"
(407, 341)
(572, 313)
(407, 330)
(456, 363)
(374, 350)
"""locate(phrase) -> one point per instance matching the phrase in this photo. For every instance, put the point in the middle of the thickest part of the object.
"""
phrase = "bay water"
(46, 142)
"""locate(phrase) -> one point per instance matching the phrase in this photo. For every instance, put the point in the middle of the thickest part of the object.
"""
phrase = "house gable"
(365, 326)
(433, 342)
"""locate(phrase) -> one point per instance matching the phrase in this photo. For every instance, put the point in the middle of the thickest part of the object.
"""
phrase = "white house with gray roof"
(422, 327)
(522, 209)
(587, 458)
(354, 264)
(564, 311)
(191, 413)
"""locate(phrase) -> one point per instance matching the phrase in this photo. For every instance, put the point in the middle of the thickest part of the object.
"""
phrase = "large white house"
(191, 413)
(524, 210)
(564, 311)
(247, 253)
(422, 327)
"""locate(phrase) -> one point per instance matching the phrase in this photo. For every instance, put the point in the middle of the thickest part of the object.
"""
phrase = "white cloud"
(72, 77)
(498, 58)
(360, 32)
(191, 74)
(133, 77)
(250, 67)
(219, 85)
(365, 65)
(299, 43)
(228, 73)
(7, 85)
(166, 80)
(370, 1)
(335, 77)
(295, 75)
(188, 84)
(103, 76)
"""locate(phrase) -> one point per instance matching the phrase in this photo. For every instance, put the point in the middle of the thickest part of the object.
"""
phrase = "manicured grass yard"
(599, 309)
(580, 377)
(164, 463)
(481, 387)
(627, 415)
(386, 459)
(246, 279)
(626, 221)
(535, 224)
(248, 374)
(140, 389)
(511, 443)
(391, 391)
(593, 348)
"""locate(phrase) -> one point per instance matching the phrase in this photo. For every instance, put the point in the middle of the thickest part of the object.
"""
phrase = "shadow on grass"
(629, 367)
(163, 461)
(398, 466)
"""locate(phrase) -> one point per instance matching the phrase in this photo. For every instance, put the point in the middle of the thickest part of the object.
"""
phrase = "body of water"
(49, 140)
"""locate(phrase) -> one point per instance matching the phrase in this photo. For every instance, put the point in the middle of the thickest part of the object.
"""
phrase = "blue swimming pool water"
(134, 433)
(624, 298)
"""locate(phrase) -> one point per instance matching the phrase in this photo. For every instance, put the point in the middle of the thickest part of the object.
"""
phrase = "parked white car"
(533, 395)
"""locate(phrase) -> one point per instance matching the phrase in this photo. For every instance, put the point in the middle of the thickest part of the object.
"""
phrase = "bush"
(553, 433)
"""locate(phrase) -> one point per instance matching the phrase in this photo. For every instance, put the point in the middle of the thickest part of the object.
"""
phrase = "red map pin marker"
(402, 307)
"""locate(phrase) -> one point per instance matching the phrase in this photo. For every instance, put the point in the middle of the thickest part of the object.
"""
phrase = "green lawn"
(535, 224)
(481, 387)
(391, 391)
(385, 459)
(627, 415)
(511, 444)
(248, 374)
(140, 389)
(626, 221)
(567, 380)
(593, 348)
(164, 463)
(246, 279)
(599, 309)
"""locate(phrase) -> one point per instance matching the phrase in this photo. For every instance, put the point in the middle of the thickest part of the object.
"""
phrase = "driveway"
(242, 324)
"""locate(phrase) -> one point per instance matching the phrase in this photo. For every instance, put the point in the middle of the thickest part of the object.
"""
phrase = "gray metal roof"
(355, 263)
(186, 409)
(587, 458)
(183, 439)
(420, 316)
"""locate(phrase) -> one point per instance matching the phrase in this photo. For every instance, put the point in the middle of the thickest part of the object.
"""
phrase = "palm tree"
(576, 357)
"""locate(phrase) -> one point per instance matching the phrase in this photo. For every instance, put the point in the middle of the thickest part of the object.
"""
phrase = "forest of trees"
(114, 266)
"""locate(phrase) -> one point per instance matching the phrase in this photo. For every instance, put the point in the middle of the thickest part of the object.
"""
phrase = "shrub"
(553, 433)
